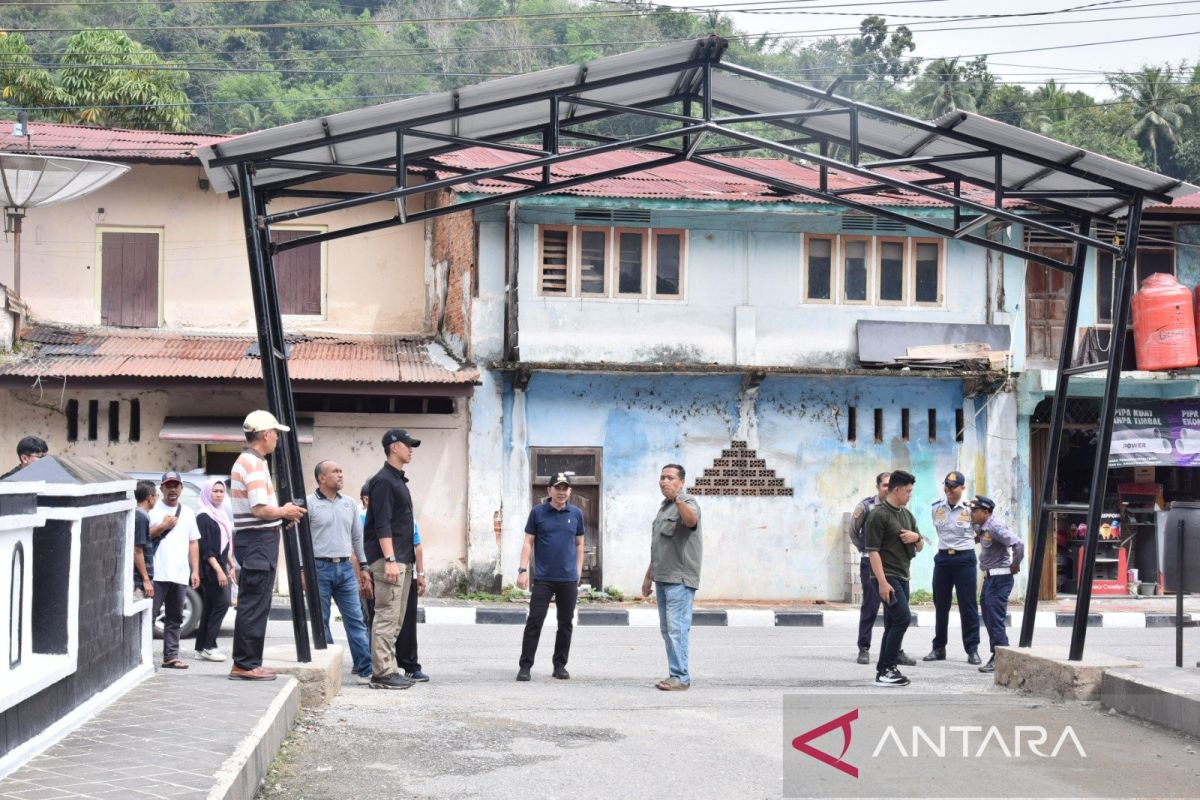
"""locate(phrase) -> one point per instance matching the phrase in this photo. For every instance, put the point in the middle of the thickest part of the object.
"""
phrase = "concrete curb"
(241, 774)
(766, 618)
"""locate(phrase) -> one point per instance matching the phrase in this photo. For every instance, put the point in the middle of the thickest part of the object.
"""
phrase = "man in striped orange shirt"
(257, 522)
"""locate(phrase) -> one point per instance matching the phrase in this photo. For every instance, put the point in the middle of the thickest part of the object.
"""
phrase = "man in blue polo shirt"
(555, 527)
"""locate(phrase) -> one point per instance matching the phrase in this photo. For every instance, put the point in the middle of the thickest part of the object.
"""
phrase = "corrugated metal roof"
(690, 181)
(100, 352)
(113, 144)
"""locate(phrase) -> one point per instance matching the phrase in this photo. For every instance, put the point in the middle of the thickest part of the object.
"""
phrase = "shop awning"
(216, 430)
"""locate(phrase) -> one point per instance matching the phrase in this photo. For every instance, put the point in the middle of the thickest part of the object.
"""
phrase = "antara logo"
(801, 743)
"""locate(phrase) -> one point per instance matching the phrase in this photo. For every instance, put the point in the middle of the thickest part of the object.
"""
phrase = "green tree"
(945, 86)
(109, 79)
(24, 85)
(1158, 108)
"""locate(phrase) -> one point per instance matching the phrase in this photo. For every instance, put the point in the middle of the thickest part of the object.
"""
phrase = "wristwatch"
(390, 559)
(364, 565)
(420, 574)
(521, 570)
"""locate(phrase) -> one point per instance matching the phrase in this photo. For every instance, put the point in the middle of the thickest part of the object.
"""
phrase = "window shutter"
(553, 266)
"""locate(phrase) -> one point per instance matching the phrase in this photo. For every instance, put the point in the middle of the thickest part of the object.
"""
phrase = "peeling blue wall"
(755, 547)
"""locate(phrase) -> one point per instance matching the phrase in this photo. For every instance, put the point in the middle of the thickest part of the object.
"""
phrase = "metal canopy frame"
(979, 169)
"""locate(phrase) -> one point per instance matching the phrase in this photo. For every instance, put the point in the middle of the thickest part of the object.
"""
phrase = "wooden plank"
(947, 352)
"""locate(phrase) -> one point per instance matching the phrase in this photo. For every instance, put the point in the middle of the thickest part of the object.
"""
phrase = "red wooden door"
(298, 275)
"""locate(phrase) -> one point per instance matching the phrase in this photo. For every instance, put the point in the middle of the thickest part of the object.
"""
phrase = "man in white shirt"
(176, 562)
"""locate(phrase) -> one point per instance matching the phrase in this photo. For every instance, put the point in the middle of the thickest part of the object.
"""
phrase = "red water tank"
(1164, 324)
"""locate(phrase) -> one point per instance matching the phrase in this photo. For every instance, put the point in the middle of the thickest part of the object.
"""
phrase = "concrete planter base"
(1046, 671)
(320, 679)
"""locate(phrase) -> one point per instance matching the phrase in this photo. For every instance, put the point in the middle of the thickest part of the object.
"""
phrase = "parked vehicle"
(193, 603)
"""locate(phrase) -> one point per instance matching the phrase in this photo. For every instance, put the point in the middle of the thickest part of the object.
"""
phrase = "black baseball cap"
(399, 435)
(955, 479)
(561, 477)
(171, 477)
(984, 502)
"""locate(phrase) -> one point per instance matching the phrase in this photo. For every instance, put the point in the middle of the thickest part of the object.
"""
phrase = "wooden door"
(298, 274)
(1046, 305)
(588, 500)
(129, 279)
(584, 465)
(1039, 444)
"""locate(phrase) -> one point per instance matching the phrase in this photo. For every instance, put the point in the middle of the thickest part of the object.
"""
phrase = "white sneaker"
(362, 680)
(891, 677)
(212, 654)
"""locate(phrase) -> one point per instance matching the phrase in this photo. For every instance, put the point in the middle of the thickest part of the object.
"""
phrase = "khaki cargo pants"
(390, 602)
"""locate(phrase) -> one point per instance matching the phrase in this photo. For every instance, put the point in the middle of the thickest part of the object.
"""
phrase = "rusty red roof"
(113, 144)
(105, 352)
(686, 180)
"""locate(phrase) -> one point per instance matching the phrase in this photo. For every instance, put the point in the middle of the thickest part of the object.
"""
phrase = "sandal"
(174, 664)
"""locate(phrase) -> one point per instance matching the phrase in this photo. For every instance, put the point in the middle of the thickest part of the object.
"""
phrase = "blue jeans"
(896, 618)
(675, 622)
(994, 602)
(336, 582)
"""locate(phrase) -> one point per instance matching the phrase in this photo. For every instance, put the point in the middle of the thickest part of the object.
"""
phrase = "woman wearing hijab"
(215, 533)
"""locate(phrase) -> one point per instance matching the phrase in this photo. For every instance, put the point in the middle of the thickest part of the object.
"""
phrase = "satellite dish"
(32, 181)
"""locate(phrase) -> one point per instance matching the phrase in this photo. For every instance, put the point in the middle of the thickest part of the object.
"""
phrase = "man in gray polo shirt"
(676, 550)
(337, 538)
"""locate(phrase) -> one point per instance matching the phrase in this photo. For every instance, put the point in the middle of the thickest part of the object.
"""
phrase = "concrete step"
(1165, 696)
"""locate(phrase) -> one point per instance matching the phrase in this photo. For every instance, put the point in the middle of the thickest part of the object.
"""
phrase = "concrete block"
(704, 618)
(602, 616)
(1165, 696)
(320, 679)
(501, 616)
(450, 615)
(1066, 619)
(800, 619)
(1160, 620)
(1045, 671)
(750, 618)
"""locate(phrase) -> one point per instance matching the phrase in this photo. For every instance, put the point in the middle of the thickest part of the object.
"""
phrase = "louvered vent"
(865, 223)
(618, 215)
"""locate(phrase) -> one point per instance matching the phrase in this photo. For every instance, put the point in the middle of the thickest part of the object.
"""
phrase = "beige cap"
(257, 421)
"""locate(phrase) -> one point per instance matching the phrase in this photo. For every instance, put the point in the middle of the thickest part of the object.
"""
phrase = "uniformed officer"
(954, 570)
(999, 559)
(871, 601)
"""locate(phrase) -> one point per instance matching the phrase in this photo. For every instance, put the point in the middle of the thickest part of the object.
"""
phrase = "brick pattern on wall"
(741, 473)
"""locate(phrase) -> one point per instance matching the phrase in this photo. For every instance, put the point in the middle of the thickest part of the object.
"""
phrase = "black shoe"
(904, 660)
(864, 655)
(936, 654)
(973, 658)
(562, 674)
(891, 677)
(522, 674)
(417, 676)
(393, 681)
(990, 666)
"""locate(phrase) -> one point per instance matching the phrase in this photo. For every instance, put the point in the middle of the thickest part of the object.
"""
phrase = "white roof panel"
(1029, 161)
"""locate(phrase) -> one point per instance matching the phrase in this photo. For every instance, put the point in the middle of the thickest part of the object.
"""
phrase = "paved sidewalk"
(176, 735)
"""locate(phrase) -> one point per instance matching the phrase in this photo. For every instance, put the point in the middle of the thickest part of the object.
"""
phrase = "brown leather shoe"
(256, 674)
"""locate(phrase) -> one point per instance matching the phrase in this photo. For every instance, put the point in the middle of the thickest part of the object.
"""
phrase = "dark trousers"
(955, 574)
(406, 642)
(257, 551)
(170, 595)
(565, 593)
(993, 601)
(870, 605)
(216, 603)
(896, 617)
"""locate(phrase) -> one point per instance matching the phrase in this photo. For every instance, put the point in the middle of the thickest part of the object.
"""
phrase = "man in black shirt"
(29, 450)
(892, 542)
(388, 543)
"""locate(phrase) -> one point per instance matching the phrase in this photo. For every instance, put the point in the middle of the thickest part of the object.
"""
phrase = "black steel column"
(279, 401)
(1057, 416)
(1108, 409)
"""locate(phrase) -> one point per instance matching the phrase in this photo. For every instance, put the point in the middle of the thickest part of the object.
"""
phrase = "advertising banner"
(1156, 434)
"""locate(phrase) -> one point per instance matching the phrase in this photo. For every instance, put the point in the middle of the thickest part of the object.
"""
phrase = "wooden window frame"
(652, 281)
(907, 289)
(577, 266)
(941, 271)
(647, 235)
(868, 264)
(324, 250)
(570, 232)
(99, 277)
(833, 262)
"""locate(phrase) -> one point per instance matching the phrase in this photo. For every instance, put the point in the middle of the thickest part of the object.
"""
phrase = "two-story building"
(684, 315)
(138, 344)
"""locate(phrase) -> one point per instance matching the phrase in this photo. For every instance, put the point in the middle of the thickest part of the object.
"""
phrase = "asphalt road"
(473, 732)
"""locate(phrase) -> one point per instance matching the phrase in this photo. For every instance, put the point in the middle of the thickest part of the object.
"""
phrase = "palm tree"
(1158, 111)
(946, 88)
(1053, 104)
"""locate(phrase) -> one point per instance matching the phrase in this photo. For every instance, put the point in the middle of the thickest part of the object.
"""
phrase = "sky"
(1048, 24)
